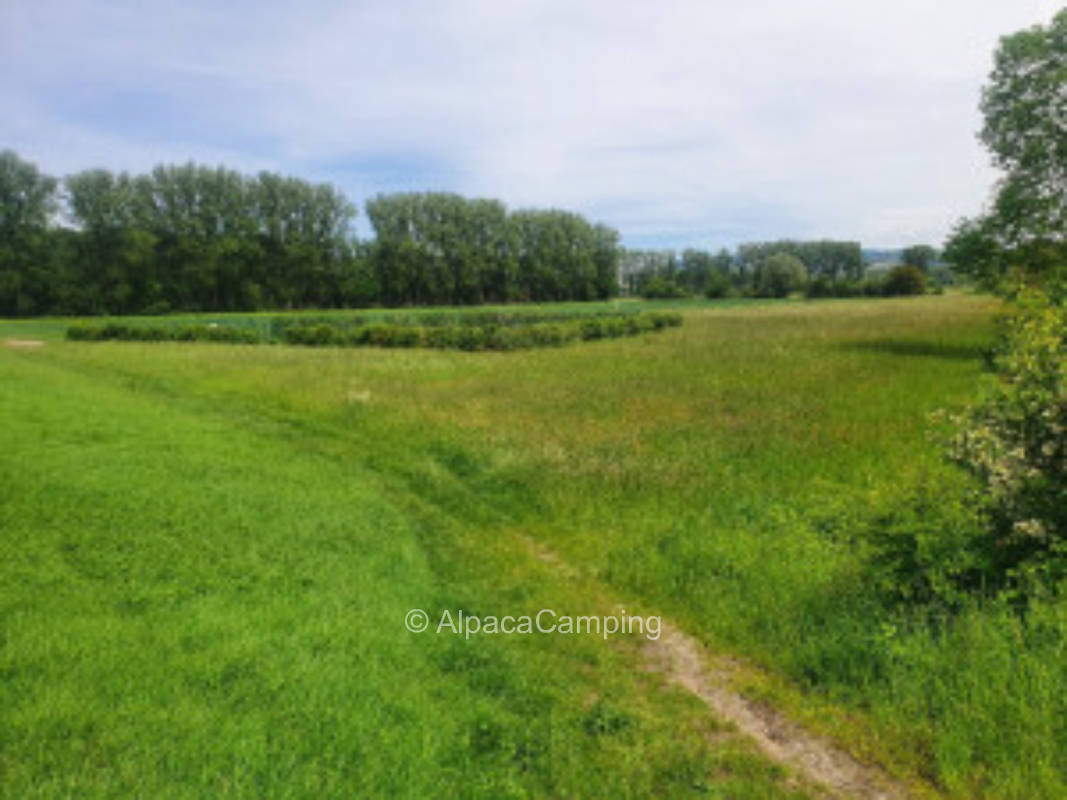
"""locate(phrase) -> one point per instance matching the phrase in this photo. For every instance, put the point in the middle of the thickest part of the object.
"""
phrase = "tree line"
(772, 268)
(196, 238)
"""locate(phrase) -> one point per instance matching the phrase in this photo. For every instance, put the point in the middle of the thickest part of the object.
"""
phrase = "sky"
(681, 123)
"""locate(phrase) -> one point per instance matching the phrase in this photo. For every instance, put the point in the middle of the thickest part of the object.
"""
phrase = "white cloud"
(711, 122)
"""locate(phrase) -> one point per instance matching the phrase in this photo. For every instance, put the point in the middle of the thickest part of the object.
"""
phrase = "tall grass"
(202, 593)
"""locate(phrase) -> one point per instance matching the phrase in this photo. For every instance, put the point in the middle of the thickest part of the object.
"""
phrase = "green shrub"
(1014, 440)
(660, 288)
(591, 329)
(470, 338)
(904, 280)
(482, 331)
(406, 336)
(441, 337)
(638, 324)
(664, 319)
(1005, 531)
(929, 549)
(83, 333)
(613, 327)
(825, 287)
(547, 335)
(313, 334)
(718, 286)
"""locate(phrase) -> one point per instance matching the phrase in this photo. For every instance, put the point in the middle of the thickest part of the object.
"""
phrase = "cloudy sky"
(679, 122)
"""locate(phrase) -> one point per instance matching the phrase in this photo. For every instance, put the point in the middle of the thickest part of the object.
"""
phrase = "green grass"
(203, 594)
(714, 473)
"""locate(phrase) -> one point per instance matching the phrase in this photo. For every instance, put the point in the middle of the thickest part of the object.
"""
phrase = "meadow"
(208, 551)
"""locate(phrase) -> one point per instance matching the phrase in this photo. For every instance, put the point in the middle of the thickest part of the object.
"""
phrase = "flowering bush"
(1014, 440)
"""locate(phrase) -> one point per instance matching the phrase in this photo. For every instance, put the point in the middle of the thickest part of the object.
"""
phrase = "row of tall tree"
(443, 248)
(747, 270)
(210, 239)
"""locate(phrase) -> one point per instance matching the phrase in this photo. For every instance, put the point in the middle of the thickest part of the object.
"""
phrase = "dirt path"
(684, 662)
(27, 344)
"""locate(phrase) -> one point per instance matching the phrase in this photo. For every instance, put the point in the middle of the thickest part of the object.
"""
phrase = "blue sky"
(681, 122)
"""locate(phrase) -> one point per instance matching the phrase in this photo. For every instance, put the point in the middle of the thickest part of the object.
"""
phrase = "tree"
(920, 256)
(1014, 440)
(27, 203)
(1025, 111)
(779, 275)
(821, 258)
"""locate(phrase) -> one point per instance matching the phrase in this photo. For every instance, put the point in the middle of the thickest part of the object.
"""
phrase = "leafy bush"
(1006, 530)
(929, 548)
(591, 329)
(658, 288)
(718, 286)
(1014, 440)
(184, 333)
(664, 319)
(316, 334)
(905, 280)
(825, 287)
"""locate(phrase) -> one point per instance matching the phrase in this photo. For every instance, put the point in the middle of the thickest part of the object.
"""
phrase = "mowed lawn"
(208, 551)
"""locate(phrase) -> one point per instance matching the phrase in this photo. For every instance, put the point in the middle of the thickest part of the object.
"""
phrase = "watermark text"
(545, 621)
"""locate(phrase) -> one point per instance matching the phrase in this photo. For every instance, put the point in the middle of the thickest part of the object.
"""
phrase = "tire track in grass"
(682, 661)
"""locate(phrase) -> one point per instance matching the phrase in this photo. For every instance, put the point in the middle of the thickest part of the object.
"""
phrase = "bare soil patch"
(23, 344)
(682, 660)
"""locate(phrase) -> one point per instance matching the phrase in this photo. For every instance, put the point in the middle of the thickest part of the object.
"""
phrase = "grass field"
(208, 552)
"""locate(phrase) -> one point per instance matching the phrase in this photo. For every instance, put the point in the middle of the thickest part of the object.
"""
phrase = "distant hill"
(874, 256)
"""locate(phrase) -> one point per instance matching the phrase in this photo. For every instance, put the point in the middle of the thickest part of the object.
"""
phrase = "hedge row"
(483, 337)
(98, 332)
(463, 336)
(435, 319)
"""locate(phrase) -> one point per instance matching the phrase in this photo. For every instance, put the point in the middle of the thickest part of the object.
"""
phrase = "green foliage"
(779, 275)
(829, 259)
(661, 274)
(28, 201)
(920, 256)
(195, 238)
(471, 331)
(118, 331)
(1014, 440)
(1006, 529)
(1024, 232)
(904, 280)
(717, 286)
(871, 286)
(929, 549)
(437, 248)
(658, 288)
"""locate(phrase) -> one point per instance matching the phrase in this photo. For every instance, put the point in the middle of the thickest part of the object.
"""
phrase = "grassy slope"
(711, 473)
(202, 594)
